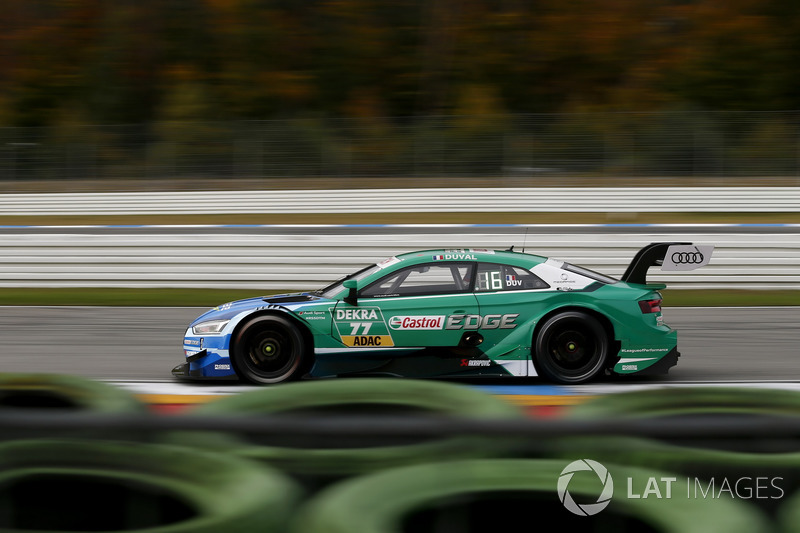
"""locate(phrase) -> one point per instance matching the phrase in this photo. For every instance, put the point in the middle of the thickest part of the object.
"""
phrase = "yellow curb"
(528, 400)
(524, 400)
(174, 399)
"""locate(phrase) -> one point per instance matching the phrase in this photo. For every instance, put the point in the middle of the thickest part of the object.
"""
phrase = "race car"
(446, 314)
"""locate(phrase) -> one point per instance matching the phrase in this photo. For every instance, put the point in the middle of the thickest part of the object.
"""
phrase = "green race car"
(449, 313)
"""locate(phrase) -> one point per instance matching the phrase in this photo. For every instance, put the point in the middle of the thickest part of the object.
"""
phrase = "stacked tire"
(105, 479)
(318, 462)
(64, 392)
(763, 470)
(472, 496)
(25, 394)
(80, 485)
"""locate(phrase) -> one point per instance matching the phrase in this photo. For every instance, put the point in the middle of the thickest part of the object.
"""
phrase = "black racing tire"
(571, 347)
(269, 349)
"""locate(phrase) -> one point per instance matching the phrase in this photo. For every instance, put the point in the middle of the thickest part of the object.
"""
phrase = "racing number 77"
(357, 325)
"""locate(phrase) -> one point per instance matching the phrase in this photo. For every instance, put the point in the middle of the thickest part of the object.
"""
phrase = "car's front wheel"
(571, 347)
(268, 350)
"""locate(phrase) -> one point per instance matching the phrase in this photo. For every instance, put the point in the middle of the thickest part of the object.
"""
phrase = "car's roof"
(472, 254)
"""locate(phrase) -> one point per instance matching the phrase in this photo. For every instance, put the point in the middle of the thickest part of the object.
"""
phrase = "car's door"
(509, 298)
(417, 306)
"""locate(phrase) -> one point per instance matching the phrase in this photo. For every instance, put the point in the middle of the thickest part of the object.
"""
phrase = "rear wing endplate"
(672, 256)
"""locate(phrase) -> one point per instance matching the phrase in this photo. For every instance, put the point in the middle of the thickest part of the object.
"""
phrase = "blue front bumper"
(206, 358)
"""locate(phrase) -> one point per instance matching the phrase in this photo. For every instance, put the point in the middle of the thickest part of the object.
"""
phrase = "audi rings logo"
(687, 258)
(588, 509)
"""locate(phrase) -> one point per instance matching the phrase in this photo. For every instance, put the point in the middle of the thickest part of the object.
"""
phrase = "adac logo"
(588, 509)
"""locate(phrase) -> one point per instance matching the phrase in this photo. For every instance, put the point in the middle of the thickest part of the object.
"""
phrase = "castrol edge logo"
(416, 322)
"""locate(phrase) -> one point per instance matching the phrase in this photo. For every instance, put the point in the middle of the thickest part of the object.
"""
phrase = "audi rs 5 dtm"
(450, 313)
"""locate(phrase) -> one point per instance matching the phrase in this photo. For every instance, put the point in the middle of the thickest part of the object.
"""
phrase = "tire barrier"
(501, 494)
(691, 400)
(32, 391)
(763, 469)
(319, 463)
(75, 485)
(788, 519)
(56, 391)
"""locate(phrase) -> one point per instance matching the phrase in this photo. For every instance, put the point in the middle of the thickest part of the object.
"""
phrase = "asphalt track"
(138, 344)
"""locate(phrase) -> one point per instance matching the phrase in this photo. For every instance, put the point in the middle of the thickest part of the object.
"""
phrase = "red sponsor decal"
(416, 322)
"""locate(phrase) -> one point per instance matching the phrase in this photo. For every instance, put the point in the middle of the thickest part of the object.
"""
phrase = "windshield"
(336, 287)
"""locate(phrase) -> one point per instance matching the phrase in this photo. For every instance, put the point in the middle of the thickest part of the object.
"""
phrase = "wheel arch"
(308, 337)
(614, 343)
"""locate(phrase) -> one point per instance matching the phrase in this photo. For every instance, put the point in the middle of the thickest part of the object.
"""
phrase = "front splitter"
(183, 371)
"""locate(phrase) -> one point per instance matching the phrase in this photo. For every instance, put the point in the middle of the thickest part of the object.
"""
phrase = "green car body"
(446, 313)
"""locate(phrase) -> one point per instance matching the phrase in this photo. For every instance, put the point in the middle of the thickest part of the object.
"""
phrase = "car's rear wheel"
(571, 347)
(269, 349)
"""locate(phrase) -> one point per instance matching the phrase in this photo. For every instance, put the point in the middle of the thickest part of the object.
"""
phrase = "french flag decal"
(509, 277)
(438, 257)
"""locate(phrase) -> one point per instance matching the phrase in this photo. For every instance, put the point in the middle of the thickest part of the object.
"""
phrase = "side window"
(494, 277)
(431, 278)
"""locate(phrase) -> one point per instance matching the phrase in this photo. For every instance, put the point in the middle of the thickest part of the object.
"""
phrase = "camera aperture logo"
(641, 487)
(603, 499)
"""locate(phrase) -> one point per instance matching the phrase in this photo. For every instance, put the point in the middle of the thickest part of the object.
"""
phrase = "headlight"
(210, 327)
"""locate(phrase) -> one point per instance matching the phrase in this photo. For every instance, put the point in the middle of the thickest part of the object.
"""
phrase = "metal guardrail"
(451, 200)
(294, 258)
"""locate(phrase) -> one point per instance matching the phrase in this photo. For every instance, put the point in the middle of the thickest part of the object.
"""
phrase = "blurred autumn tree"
(394, 69)
(116, 61)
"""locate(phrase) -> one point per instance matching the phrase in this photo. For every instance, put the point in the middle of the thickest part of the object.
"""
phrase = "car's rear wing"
(672, 256)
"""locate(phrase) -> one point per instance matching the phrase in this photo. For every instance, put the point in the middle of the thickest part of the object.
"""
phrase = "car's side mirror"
(352, 296)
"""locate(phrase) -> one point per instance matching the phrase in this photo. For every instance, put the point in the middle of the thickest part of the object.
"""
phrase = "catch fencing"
(763, 146)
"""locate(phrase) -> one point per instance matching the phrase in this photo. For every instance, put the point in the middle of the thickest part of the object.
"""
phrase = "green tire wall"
(788, 519)
(690, 400)
(56, 391)
(487, 495)
(702, 461)
(75, 485)
(377, 397)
